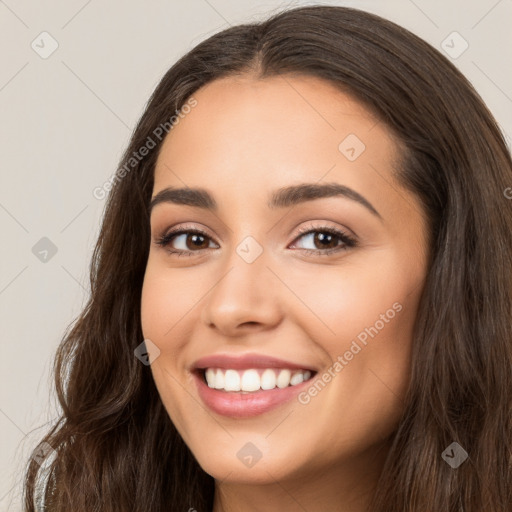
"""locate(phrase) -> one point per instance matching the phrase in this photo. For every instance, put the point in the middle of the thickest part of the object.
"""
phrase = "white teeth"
(254, 380)
(231, 380)
(210, 377)
(250, 381)
(219, 379)
(268, 379)
(283, 379)
(297, 378)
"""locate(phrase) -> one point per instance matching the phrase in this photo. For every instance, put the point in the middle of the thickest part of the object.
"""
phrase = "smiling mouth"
(253, 380)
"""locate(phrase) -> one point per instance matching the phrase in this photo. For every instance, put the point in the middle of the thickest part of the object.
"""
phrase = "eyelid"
(179, 228)
(325, 225)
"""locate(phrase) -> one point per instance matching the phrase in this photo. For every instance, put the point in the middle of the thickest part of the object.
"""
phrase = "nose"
(246, 298)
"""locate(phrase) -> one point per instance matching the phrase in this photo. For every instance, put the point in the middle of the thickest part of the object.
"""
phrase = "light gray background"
(65, 121)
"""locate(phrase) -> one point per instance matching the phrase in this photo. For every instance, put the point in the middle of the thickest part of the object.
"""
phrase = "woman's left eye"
(325, 241)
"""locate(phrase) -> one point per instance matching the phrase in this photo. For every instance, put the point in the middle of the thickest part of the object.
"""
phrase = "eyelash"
(348, 241)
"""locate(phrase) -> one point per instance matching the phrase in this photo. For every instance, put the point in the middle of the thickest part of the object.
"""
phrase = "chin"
(229, 468)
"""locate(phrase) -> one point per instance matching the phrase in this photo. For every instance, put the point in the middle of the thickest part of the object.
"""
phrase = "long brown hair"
(116, 448)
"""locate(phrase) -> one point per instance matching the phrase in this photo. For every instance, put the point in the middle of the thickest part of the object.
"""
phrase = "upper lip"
(245, 362)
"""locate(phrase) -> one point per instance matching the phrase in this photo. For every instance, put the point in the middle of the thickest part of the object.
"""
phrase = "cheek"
(372, 293)
(164, 301)
(154, 301)
(368, 316)
(167, 297)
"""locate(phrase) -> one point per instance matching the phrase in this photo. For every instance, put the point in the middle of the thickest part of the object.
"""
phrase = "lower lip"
(245, 405)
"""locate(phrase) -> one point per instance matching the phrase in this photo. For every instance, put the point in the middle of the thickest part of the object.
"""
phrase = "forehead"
(281, 111)
(259, 134)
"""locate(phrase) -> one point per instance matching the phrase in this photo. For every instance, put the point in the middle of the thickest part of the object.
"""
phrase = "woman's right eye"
(189, 240)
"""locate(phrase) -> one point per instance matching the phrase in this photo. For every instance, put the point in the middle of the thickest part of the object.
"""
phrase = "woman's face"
(325, 279)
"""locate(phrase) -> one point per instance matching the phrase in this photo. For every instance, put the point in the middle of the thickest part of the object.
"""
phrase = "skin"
(244, 139)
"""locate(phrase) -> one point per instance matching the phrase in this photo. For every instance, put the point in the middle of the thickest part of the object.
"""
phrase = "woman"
(307, 247)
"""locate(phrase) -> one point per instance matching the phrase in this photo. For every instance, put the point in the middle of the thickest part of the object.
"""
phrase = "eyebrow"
(281, 198)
